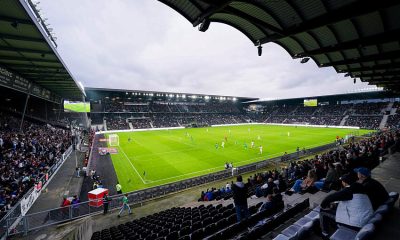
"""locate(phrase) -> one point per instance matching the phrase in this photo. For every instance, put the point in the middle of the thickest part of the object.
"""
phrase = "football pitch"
(151, 158)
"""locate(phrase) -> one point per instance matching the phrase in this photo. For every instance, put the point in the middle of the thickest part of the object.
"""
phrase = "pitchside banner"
(14, 81)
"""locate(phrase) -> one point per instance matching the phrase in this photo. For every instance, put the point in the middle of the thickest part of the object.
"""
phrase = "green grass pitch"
(154, 158)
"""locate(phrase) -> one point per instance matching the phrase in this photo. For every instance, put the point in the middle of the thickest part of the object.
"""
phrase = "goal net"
(113, 140)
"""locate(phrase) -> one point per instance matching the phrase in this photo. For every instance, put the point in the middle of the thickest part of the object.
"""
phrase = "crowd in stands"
(170, 107)
(25, 156)
(367, 122)
(176, 114)
(117, 124)
(393, 121)
(322, 171)
(369, 108)
(284, 110)
(304, 111)
(138, 123)
(331, 110)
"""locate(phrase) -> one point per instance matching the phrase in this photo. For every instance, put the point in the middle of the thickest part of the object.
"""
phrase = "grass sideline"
(152, 158)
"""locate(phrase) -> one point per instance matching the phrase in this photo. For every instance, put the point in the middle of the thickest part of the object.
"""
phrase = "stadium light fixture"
(234, 99)
(184, 96)
(204, 25)
(259, 48)
(304, 60)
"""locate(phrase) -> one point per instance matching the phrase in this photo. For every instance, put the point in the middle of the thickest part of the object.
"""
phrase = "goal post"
(113, 140)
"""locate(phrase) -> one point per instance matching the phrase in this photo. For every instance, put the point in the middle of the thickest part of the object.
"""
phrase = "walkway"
(63, 183)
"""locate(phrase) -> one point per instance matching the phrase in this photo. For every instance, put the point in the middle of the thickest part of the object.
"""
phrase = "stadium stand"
(367, 122)
(26, 156)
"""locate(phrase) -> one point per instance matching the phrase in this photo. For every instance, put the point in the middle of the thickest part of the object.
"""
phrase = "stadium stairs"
(384, 121)
(344, 120)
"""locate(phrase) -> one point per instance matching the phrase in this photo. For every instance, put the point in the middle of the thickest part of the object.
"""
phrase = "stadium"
(149, 148)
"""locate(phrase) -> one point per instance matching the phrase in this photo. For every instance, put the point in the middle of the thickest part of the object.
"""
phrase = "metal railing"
(13, 216)
(50, 217)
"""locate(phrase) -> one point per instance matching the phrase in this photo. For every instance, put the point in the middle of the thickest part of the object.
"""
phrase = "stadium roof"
(356, 37)
(28, 49)
(101, 92)
(332, 99)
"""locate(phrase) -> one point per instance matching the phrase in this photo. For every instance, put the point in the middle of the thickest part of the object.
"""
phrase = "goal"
(113, 140)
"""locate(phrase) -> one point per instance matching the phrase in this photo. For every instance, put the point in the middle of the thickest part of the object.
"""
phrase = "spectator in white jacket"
(353, 210)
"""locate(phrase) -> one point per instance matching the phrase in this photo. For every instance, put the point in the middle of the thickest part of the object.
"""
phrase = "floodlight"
(304, 60)
(204, 25)
(259, 48)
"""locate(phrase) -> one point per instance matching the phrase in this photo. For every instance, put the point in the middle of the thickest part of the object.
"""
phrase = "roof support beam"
(375, 67)
(25, 59)
(349, 11)
(32, 66)
(374, 57)
(216, 6)
(38, 71)
(260, 24)
(386, 81)
(362, 42)
(25, 50)
(16, 20)
(389, 73)
(21, 38)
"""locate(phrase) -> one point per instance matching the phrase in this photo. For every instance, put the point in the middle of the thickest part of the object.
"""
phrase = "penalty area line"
(122, 150)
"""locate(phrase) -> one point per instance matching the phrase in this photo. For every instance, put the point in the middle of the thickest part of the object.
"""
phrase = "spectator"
(75, 206)
(240, 199)
(268, 204)
(331, 178)
(374, 189)
(125, 205)
(106, 201)
(277, 197)
(354, 208)
(306, 184)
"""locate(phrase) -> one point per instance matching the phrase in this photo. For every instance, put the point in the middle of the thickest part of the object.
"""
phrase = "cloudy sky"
(145, 45)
